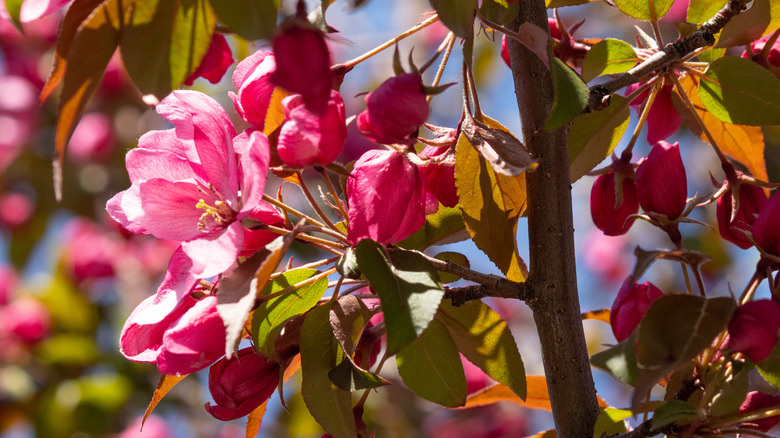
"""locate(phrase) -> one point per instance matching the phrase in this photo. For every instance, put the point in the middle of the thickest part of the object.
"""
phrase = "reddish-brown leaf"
(163, 386)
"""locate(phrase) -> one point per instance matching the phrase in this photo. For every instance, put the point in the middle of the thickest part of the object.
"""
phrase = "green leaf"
(444, 226)
(68, 349)
(408, 288)
(486, 341)
(14, 8)
(571, 95)
(760, 20)
(710, 55)
(728, 393)
(673, 331)
(738, 90)
(674, 411)
(457, 15)
(593, 136)
(165, 41)
(491, 204)
(770, 367)
(454, 257)
(330, 406)
(347, 376)
(92, 47)
(431, 367)
(499, 11)
(618, 360)
(270, 316)
(647, 10)
(250, 19)
(700, 11)
(610, 421)
(608, 56)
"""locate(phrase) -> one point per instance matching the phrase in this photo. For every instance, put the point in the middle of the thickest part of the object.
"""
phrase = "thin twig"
(292, 210)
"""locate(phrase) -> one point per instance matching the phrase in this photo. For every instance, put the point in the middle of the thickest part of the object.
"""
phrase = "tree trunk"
(553, 275)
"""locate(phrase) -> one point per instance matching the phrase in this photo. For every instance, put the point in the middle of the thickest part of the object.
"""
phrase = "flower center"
(215, 216)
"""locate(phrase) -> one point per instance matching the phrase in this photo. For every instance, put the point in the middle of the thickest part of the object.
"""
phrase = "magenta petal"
(35, 9)
(255, 90)
(765, 229)
(309, 138)
(215, 253)
(169, 208)
(167, 141)
(662, 120)
(194, 341)
(143, 164)
(123, 203)
(254, 167)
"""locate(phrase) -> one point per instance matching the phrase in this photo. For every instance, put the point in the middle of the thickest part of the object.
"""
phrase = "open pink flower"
(309, 138)
(386, 196)
(240, 384)
(188, 185)
(630, 306)
(252, 79)
(663, 119)
(215, 63)
(395, 111)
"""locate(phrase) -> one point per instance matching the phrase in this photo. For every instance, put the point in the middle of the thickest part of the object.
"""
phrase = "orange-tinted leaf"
(163, 386)
(255, 420)
(275, 115)
(742, 143)
(292, 367)
(598, 315)
(537, 396)
(92, 47)
(549, 433)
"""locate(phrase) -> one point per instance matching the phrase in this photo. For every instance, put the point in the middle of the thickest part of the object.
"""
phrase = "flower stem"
(313, 202)
(643, 116)
(334, 195)
(289, 209)
(750, 289)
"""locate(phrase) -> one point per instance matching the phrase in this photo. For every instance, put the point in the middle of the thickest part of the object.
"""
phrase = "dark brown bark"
(553, 276)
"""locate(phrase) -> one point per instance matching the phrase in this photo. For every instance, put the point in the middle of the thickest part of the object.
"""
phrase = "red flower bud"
(386, 197)
(240, 384)
(663, 119)
(751, 200)
(609, 217)
(661, 181)
(753, 329)
(630, 306)
(307, 138)
(252, 79)
(772, 60)
(303, 65)
(215, 63)
(440, 178)
(395, 111)
(758, 400)
(766, 233)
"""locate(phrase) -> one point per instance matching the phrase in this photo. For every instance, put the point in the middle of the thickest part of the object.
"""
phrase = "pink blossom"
(173, 330)
(15, 209)
(661, 182)
(308, 138)
(89, 251)
(386, 197)
(751, 200)
(440, 178)
(303, 64)
(154, 427)
(26, 319)
(630, 306)
(395, 111)
(8, 279)
(240, 384)
(753, 329)
(188, 185)
(92, 139)
(758, 400)
(18, 111)
(252, 79)
(215, 63)
(609, 216)
(32, 10)
(255, 240)
(663, 119)
(772, 59)
(765, 230)
(476, 379)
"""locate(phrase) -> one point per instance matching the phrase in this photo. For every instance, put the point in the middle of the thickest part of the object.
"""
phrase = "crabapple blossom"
(772, 59)
(753, 329)
(240, 384)
(661, 182)
(766, 233)
(395, 111)
(663, 119)
(252, 79)
(630, 306)
(188, 185)
(730, 225)
(758, 400)
(308, 138)
(440, 178)
(215, 62)
(610, 217)
(386, 196)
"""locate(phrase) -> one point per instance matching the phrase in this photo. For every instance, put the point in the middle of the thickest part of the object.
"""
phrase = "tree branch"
(704, 36)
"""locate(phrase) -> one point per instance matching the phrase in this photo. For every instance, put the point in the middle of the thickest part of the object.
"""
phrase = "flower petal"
(215, 253)
(168, 208)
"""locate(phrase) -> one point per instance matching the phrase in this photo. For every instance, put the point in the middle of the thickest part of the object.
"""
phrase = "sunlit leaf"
(610, 421)
(165, 41)
(163, 386)
(571, 95)
(270, 315)
(608, 56)
(760, 20)
(549, 433)
(700, 11)
(254, 420)
(408, 288)
(490, 220)
(444, 226)
(674, 411)
(14, 8)
(770, 367)
(484, 338)
(250, 19)
(598, 315)
(431, 367)
(662, 347)
(737, 90)
(457, 15)
(330, 406)
(593, 136)
(502, 150)
(646, 10)
(274, 117)
(537, 396)
(742, 143)
(236, 293)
